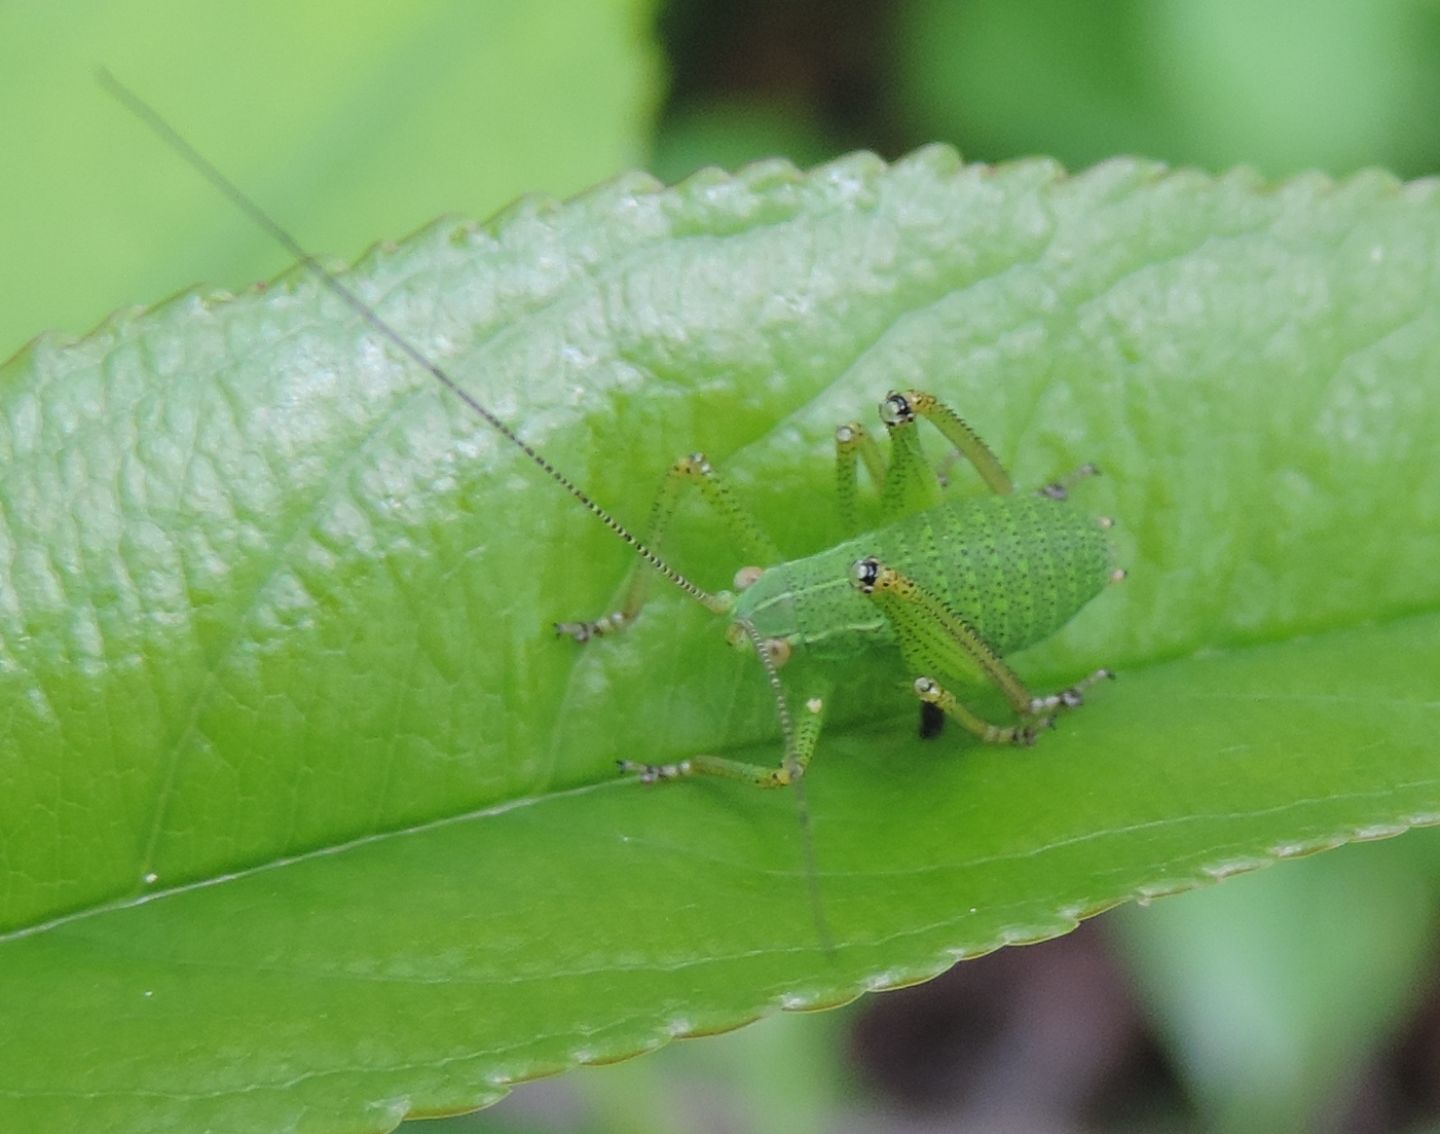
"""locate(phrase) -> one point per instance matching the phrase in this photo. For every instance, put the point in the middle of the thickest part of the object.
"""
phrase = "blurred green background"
(1303, 998)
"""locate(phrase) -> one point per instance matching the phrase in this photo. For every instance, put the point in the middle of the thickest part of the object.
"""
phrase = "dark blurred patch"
(1045, 1037)
(932, 721)
(1417, 1061)
(1338, 88)
(1401, 1089)
(831, 60)
(805, 79)
(1051, 1037)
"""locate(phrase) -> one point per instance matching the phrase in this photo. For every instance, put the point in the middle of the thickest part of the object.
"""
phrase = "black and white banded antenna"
(207, 169)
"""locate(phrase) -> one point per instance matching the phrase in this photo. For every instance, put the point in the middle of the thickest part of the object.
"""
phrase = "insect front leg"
(693, 470)
(934, 639)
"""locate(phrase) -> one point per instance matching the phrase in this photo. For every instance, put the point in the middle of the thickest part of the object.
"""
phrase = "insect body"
(1019, 567)
(953, 583)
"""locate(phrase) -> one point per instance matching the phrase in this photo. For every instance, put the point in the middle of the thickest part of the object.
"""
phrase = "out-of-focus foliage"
(354, 123)
(1275, 84)
(1280, 85)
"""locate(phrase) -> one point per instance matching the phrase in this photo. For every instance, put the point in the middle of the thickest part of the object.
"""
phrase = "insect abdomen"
(1016, 568)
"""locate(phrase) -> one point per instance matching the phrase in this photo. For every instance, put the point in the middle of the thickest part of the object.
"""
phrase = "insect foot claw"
(653, 773)
(582, 632)
(1060, 489)
(1071, 698)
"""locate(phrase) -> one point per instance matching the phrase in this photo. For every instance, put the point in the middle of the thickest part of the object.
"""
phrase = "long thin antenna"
(202, 165)
(263, 220)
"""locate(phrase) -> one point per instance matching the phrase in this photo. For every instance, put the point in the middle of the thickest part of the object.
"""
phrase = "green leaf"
(309, 822)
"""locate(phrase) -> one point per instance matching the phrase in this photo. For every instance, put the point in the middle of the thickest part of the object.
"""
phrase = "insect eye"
(896, 410)
(863, 573)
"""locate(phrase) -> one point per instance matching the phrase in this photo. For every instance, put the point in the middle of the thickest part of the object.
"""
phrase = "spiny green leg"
(799, 740)
(932, 636)
(852, 442)
(1025, 729)
(934, 639)
(792, 766)
(911, 484)
(692, 470)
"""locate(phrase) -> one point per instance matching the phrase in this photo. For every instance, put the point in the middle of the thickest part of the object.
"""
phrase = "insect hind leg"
(933, 638)
(1042, 714)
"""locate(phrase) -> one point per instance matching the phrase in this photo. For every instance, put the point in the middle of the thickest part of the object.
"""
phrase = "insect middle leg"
(799, 748)
(934, 639)
(799, 739)
(692, 470)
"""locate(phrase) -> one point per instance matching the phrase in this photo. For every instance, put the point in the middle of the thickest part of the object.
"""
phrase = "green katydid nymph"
(954, 583)
(941, 589)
